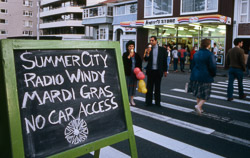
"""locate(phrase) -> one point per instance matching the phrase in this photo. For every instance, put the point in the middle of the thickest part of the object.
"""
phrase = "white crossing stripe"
(110, 152)
(208, 115)
(190, 126)
(172, 144)
(235, 84)
(225, 89)
(219, 92)
(207, 103)
(170, 106)
(221, 85)
(179, 123)
(216, 96)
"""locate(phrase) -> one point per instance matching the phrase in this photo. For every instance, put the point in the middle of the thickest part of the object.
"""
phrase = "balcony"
(61, 11)
(44, 2)
(68, 23)
(98, 20)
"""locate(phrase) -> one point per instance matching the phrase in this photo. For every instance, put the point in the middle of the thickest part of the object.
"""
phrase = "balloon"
(142, 84)
(137, 70)
(144, 90)
(139, 90)
(140, 76)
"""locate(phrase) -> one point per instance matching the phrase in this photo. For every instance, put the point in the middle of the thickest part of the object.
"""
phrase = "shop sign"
(130, 29)
(161, 21)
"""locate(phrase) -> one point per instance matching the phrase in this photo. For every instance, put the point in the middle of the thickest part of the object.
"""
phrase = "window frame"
(152, 10)
(2, 30)
(244, 14)
(200, 12)
(4, 21)
(5, 11)
(102, 33)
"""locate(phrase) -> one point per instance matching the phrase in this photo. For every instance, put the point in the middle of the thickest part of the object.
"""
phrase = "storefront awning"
(179, 20)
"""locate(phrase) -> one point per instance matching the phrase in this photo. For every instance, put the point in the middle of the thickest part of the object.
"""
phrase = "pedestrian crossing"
(217, 126)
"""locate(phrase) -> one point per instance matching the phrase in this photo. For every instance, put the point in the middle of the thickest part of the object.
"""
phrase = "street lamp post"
(38, 19)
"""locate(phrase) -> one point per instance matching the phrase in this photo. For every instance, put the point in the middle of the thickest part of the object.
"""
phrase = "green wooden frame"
(11, 104)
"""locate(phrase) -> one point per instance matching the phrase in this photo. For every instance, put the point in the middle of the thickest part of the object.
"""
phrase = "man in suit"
(157, 66)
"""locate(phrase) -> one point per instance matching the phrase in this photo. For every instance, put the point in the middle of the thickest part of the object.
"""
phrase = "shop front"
(188, 32)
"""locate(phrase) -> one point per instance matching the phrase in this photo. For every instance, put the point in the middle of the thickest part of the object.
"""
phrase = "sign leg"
(97, 153)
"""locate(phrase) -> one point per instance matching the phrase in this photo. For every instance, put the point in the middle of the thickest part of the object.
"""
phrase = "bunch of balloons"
(140, 76)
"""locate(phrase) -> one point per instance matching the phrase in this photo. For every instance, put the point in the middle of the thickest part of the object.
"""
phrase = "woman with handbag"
(203, 71)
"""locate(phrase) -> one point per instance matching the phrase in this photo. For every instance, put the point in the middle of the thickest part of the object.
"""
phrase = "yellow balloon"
(139, 90)
(141, 84)
(144, 90)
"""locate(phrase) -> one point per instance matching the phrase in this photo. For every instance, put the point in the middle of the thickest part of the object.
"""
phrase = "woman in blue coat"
(202, 75)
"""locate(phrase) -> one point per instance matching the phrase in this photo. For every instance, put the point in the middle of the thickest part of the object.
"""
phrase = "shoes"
(243, 97)
(167, 72)
(197, 109)
(230, 99)
(132, 103)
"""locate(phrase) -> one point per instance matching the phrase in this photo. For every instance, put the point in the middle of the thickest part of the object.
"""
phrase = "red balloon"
(137, 70)
(140, 76)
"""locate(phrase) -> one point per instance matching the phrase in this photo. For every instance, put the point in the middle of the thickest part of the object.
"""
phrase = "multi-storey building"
(242, 22)
(102, 21)
(62, 18)
(185, 22)
(18, 18)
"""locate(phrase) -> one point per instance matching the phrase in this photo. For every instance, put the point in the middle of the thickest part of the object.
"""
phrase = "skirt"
(131, 84)
(200, 90)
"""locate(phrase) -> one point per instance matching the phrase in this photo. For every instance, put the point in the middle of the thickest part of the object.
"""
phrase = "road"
(176, 131)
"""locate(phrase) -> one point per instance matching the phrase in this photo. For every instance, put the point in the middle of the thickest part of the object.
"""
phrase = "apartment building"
(102, 21)
(62, 18)
(242, 22)
(18, 18)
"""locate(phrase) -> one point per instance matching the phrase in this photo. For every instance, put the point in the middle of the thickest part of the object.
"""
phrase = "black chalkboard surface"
(67, 98)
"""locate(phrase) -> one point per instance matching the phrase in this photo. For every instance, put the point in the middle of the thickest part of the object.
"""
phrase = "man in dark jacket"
(157, 66)
(235, 60)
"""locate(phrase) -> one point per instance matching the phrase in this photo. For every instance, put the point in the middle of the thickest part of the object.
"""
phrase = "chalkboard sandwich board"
(62, 98)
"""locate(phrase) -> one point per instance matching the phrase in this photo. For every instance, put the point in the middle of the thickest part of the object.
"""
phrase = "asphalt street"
(175, 130)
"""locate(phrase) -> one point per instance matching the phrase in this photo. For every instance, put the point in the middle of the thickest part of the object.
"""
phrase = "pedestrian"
(235, 60)
(202, 74)
(191, 57)
(175, 59)
(169, 55)
(156, 67)
(248, 62)
(182, 55)
(131, 60)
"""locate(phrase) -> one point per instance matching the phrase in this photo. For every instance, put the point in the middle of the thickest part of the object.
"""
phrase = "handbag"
(186, 87)
(189, 87)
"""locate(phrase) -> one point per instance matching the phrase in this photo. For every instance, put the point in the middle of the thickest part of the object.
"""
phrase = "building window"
(3, 21)
(131, 9)
(110, 11)
(27, 13)
(120, 10)
(3, 11)
(197, 6)
(244, 11)
(3, 32)
(27, 23)
(158, 8)
(102, 34)
(93, 12)
(85, 13)
(28, 33)
(4, 1)
(27, 3)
